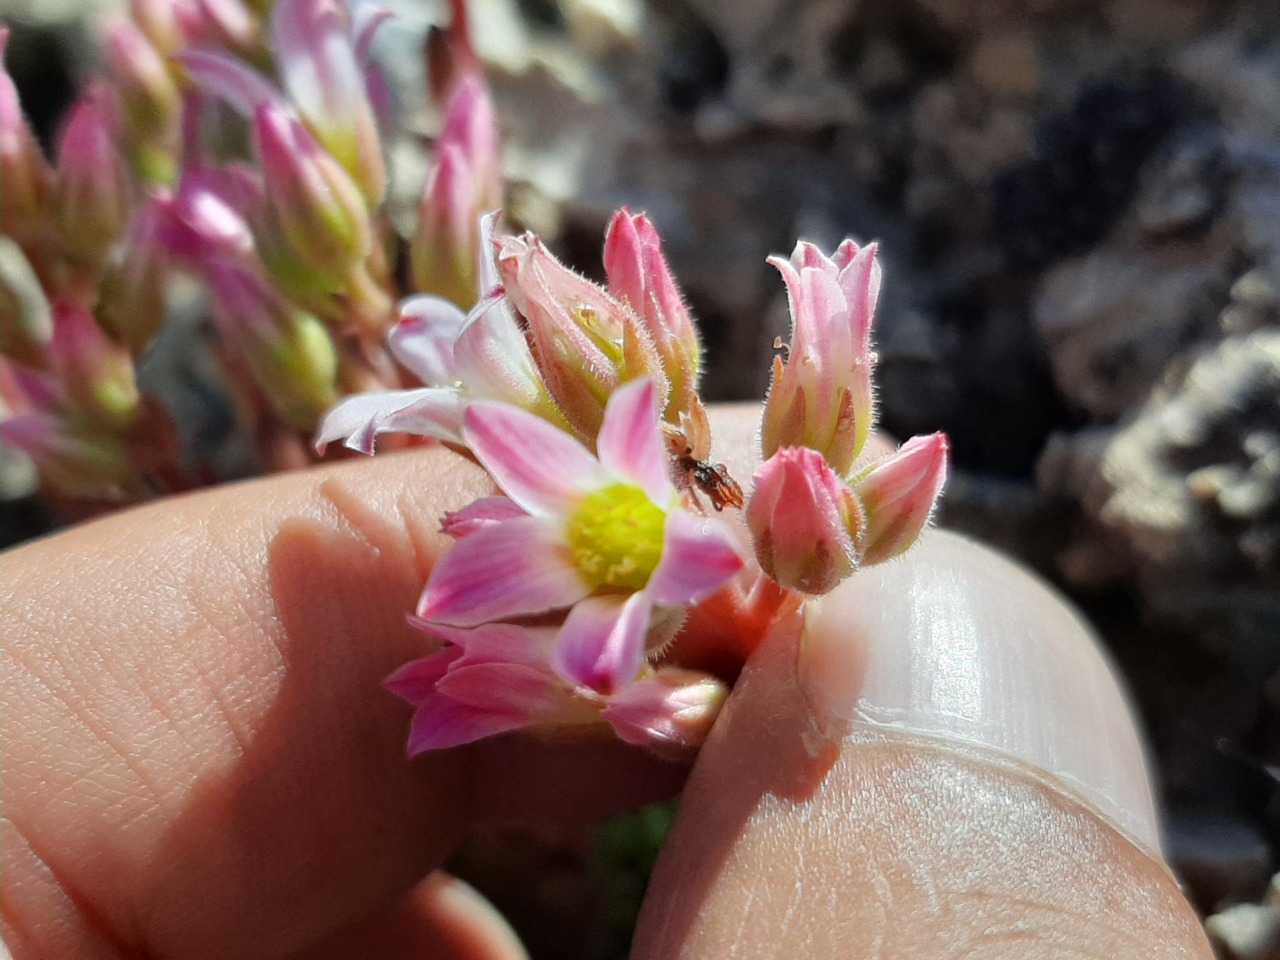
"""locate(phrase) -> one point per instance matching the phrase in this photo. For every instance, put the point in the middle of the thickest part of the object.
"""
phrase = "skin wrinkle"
(88, 923)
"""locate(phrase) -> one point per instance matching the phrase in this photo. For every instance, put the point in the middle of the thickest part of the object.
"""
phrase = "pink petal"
(423, 339)
(417, 679)
(440, 723)
(630, 442)
(536, 464)
(699, 556)
(484, 512)
(674, 708)
(368, 21)
(507, 688)
(507, 570)
(601, 645)
(357, 420)
(229, 79)
(497, 642)
(492, 357)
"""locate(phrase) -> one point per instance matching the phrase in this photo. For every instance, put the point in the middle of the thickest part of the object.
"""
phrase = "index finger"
(199, 758)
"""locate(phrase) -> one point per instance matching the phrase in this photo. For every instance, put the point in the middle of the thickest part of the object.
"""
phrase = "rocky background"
(1079, 208)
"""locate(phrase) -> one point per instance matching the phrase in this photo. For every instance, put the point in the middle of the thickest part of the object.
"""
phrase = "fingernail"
(956, 643)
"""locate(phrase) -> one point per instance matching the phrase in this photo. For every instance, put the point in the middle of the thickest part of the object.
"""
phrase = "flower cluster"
(244, 146)
(569, 599)
(619, 575)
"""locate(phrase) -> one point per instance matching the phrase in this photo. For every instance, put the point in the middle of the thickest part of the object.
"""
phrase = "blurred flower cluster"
(620, 575)
(236, 148)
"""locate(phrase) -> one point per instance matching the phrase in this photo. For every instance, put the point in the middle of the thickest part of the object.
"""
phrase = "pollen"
(615, 537)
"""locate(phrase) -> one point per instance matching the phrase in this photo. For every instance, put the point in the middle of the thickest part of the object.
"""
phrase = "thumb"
(939, 763)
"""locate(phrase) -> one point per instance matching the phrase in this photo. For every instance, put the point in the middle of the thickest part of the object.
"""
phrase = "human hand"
(199, 760)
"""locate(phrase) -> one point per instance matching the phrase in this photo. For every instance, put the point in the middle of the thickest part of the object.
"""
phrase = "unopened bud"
(132, 297)
(805, 523)
(72, 458)
(898, 495)
(289, 351)
(96, 373)
(26, 325)
(584, 342)
(315, 203)
(639, 277)
(149, 102)
(820, 396)
(25, 178)
(92, 202)
(444, 248)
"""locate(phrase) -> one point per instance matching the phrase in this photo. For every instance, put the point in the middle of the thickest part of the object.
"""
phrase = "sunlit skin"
(199, 762)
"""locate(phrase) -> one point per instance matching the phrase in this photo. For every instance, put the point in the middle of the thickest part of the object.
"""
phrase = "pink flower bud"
(820, 397)
(465, 182)
(898, 495)
(315, 203)
(132, 297)
(24, 175)
(91, 200)
(26, 324)
(96, 373)
(584, 342)
(323, 78)
(71, 457)
(445, 247)
(805, 523)
(640, 278)
(471, 125)
(223, 23)
(149, 102)
(290, 352)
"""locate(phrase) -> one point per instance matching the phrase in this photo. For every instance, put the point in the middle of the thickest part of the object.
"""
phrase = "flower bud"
(471, 125)
(25, 177)
(149, 102)
(321, 74)
(444, 248)
(161, 22)
(26, 325)
(75, 460)
(96, 373)
(289, 351)
(805, 523)
(640, 278)
(898, 495)
(585, 343)
(820, 397)
(91, 199)
(132, 296)
(315, 203)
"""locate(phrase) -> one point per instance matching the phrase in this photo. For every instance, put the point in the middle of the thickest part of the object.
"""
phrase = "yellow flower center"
(615, 537)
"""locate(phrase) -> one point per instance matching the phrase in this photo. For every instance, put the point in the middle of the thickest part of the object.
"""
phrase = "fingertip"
(910, 815)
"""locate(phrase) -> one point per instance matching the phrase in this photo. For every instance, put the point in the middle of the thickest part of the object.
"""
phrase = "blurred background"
(1078, 203)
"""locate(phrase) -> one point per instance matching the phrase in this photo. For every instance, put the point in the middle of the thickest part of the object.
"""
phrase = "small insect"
(712, 479)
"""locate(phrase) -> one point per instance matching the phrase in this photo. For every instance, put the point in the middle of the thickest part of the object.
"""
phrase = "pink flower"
(485, 355)
(820, 397)
(607, 536)
(500, 677)
(584, 340)
(804, 521)
(899, 493)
